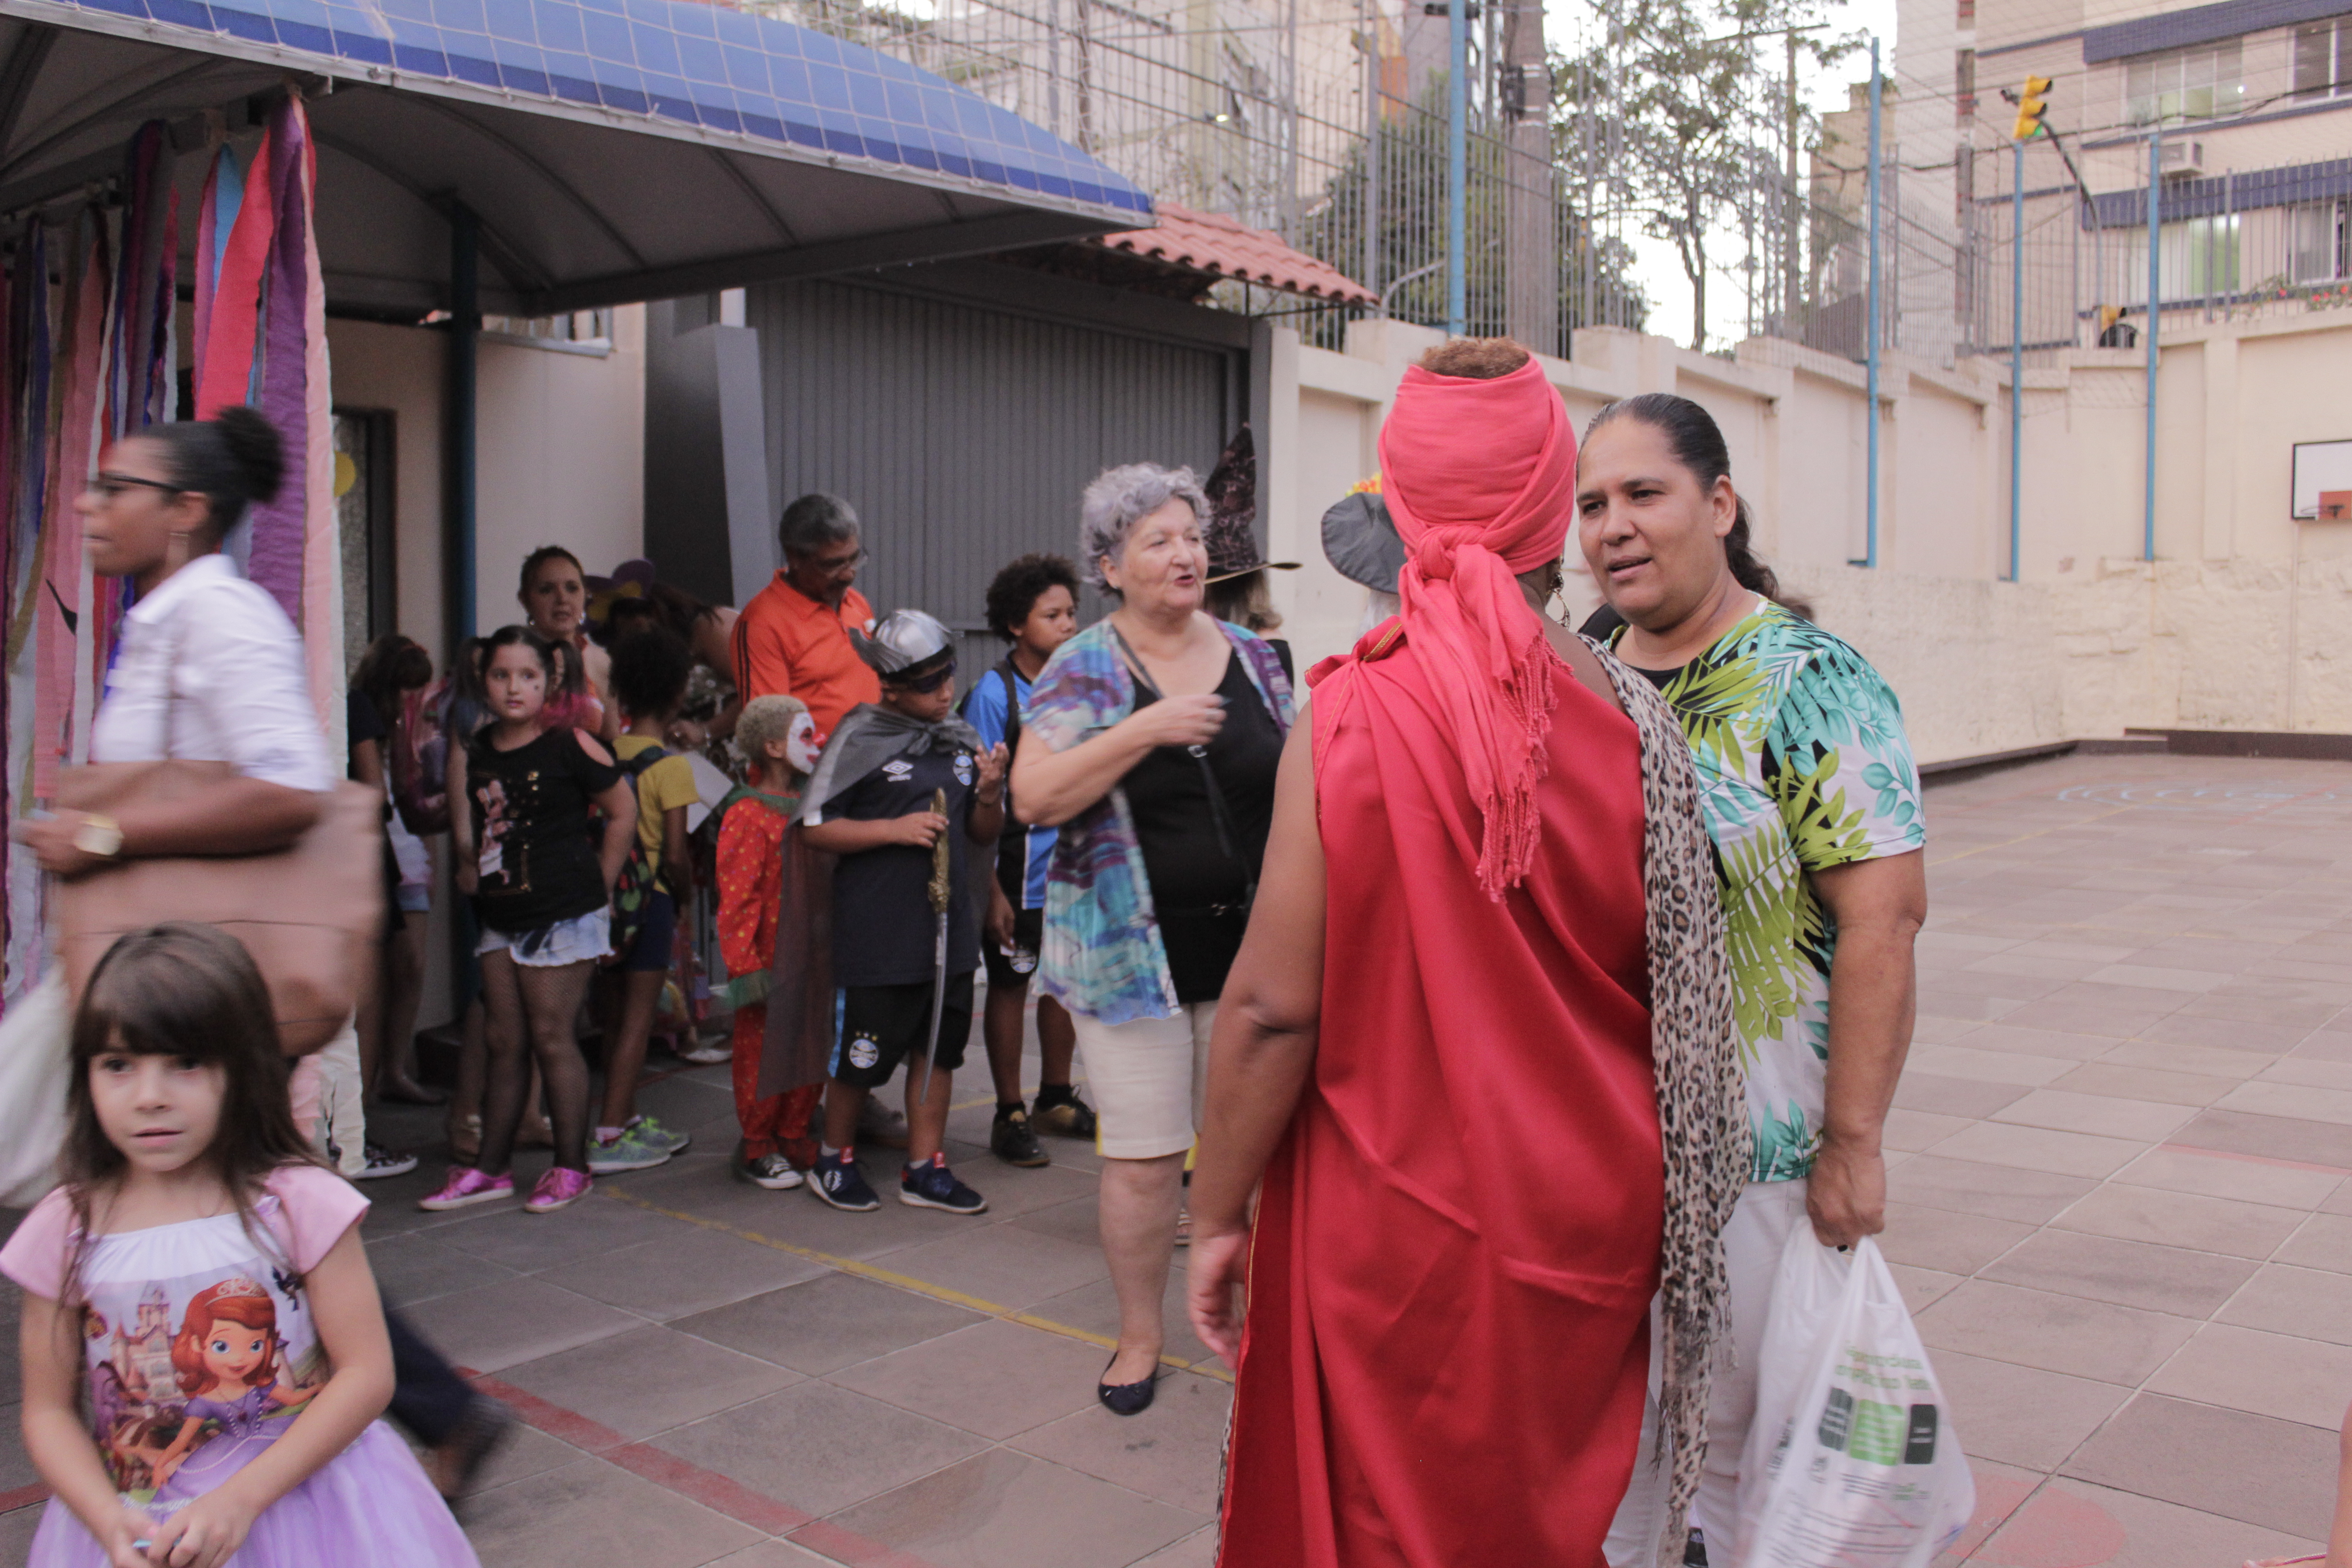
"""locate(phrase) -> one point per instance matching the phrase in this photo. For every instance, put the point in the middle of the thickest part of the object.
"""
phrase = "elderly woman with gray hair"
(1151, 740)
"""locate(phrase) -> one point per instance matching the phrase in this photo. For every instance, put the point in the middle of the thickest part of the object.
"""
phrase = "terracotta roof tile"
(1220, 247)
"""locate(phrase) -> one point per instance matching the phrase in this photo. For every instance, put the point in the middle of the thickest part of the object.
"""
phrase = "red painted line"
(713, 1491)
(2252, 1159)
(22, 1496)
(553, 1419)
(719, 1493)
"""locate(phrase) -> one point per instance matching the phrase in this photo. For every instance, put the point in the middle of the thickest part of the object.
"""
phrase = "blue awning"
(615, 149)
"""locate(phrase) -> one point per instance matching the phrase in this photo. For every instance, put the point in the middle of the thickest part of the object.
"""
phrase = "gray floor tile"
(2280, 1474)
(817, 1447)
(991, 1512)
(827, 1323)
(649, 1380)
(2130, 1273)
(689, 1272)
(2057, 1334)
(592, 1514)
(1171, 1451)
(514, 1320)
(994, 1378)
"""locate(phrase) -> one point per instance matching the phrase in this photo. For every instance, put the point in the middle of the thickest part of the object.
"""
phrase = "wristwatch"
(98, 835)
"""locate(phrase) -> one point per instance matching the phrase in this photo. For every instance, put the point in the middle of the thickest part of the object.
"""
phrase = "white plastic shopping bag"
(36, 1062)
(1852, 1461)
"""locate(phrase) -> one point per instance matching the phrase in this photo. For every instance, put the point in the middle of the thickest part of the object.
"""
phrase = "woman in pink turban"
(1477, 1047)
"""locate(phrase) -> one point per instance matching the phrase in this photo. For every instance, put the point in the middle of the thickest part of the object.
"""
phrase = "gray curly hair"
(1117, 496)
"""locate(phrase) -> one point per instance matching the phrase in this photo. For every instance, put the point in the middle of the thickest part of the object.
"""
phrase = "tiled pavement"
(2119, 1207)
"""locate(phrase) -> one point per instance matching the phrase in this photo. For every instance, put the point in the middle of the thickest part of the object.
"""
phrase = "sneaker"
(466, 1186)
(668, 1140)
(1010, 1140)
(877, 1123)
(628, 1151)
(708, 1053)
(931, 1185)
(458, 1458)
(382, 1163)
(1063, 1116)
(773, 1171)
(836, 1180)
(559, 1189)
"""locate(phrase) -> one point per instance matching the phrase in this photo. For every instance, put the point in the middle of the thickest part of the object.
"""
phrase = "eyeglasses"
(841, 567)
(112, 485)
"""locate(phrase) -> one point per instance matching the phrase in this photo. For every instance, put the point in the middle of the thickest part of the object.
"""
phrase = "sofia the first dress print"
(199, 1353)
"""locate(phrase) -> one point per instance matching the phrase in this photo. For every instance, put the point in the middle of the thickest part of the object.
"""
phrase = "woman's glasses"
(112, 485)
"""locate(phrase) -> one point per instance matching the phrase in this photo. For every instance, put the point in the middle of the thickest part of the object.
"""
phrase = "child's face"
(235, 1353)
(516, 684)
(1053, 621)
(800, 744)
(930, 706)
(161, 1112)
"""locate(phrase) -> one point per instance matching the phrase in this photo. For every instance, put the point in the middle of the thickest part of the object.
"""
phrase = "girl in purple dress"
(202, 1276)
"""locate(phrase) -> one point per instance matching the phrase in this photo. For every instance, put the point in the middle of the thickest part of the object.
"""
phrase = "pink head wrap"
(1480, 478)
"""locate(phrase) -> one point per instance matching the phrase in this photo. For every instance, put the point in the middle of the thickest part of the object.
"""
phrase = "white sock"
(606, 1134)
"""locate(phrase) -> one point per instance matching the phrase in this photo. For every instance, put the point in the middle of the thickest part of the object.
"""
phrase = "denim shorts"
(588, 936)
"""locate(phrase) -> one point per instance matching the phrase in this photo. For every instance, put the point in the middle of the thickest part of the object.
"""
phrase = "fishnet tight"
(526, 1005)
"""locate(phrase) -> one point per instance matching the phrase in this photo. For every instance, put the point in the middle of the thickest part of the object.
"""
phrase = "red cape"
(1456, 1245)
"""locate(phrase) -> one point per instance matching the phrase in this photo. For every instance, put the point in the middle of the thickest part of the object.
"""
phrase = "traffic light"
(2031, 109)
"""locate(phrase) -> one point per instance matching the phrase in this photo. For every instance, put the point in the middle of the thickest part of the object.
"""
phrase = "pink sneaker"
(466, 1185)
(560, 1188)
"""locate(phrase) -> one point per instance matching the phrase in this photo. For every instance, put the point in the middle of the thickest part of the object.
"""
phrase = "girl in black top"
(542, 886)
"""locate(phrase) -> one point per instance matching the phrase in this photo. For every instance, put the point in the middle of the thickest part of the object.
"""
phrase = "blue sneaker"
(931, 1185)
(836, 1180)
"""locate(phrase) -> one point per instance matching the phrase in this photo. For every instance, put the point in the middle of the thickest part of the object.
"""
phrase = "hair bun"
(256, 447)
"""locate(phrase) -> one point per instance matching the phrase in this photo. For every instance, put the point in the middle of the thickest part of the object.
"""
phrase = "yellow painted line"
(2021, 837)
(897, 1281)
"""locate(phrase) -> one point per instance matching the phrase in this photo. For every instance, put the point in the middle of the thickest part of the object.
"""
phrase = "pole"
(1792, 206)
(2155, 314)
(1870, 335)
(1457, 170)
(2016, 351)
(1373, 146)
(465, 322)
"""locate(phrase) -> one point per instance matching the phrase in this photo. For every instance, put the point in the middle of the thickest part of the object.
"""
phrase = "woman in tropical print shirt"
(1813, 800)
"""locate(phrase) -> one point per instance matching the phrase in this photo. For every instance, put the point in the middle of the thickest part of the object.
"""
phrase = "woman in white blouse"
(209, 667)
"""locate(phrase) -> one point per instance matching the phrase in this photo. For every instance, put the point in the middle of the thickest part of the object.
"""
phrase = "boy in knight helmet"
(903, 790)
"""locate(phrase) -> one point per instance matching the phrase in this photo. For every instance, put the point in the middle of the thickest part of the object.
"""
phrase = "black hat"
(1361, 540)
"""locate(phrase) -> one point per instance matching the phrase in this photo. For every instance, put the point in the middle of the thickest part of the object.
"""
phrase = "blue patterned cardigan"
(1102, 954)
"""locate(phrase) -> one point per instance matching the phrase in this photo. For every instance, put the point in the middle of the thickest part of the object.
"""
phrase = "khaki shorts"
(1148, 1080)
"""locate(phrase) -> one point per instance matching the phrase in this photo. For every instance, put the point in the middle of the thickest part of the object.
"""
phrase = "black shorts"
(882, 1026)
(1028, 939)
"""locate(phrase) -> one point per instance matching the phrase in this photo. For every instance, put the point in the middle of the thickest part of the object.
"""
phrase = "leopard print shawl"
(1702, 1105)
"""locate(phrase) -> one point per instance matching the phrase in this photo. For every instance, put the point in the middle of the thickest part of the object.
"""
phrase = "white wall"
(560, 457)
(2243, 621)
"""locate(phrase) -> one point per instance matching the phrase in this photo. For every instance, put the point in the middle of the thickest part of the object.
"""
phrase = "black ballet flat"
(1128, 1398)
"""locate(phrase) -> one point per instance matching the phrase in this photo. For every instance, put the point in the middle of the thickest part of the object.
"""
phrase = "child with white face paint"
(779, 738)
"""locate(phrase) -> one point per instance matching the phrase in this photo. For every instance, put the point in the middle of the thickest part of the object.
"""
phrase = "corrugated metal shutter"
(962, 434)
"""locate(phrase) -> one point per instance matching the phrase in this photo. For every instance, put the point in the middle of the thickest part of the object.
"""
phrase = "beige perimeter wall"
(2243, 621)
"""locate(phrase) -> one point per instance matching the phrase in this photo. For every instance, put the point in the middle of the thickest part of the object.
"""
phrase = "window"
(2321, 67)
(2316, 234)
(2186, 84)
(2200, 255)
(1964, 83)
(1968, 14)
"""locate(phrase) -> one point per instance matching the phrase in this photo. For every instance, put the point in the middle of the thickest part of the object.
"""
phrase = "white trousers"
(1752, 1243)
(328, 1101)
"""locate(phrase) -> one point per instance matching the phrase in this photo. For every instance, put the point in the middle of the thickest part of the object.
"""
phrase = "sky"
(1656, 268)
